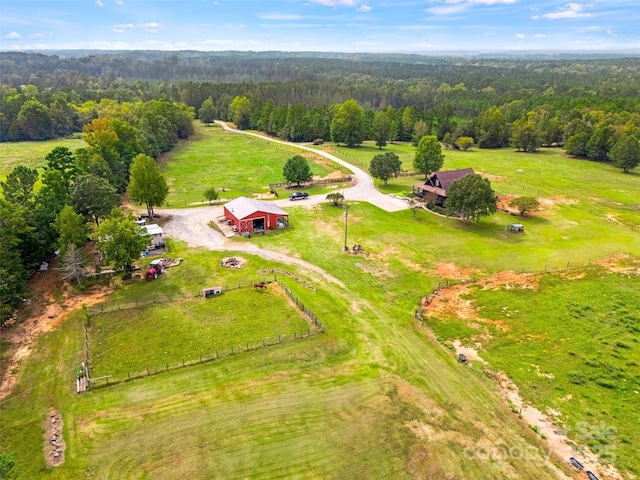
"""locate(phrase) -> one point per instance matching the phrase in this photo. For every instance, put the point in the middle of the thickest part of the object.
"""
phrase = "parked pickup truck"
(298, 196)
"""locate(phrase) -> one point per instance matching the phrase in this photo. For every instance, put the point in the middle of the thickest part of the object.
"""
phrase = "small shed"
(248, 215)
(155, 232)
(515, 228)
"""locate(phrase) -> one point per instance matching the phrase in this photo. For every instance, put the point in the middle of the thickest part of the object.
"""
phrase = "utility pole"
(346, 221)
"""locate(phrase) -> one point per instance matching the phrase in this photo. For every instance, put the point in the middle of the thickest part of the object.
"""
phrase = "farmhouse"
(253, 216)
(155, 232)
(438, 183)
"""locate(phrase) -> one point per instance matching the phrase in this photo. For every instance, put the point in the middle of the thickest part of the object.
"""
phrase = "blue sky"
(426, 26)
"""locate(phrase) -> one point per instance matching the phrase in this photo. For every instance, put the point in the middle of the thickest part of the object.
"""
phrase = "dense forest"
(128, 104)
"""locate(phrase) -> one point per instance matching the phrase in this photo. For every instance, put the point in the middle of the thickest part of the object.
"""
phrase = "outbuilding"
(155, 232)
(248, 215)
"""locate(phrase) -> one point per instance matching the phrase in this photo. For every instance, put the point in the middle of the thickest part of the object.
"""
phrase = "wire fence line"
(446, 283)
(168, 298)
(316, 327)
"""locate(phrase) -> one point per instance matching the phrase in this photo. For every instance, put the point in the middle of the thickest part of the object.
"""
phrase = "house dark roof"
(242, 207)
(447, 178)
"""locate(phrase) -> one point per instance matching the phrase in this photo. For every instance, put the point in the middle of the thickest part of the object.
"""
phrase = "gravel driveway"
(191, 225)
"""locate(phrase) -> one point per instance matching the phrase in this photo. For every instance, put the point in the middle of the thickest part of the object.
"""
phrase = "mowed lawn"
(571, 344)
(241, 164)
(32, 154)
(186, 330)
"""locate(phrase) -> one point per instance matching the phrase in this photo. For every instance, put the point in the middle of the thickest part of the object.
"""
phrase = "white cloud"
(570, 10)
(520, 35)
(335, 3)
(447, 10)
(451, 7)
(36, 35)
(13, 36)
(540, 35)
(147, 27)
(119, 2)
(99, 3)
(365, 8)
(280, 16)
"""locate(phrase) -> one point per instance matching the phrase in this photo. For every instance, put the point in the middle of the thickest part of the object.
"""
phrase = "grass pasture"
(243, 165)
(32, 154)
(185, 330)
(571, 344)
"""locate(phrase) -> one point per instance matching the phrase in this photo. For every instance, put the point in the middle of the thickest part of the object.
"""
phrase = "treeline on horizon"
(295, 96)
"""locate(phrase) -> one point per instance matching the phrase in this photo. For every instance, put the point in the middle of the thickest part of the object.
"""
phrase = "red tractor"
(156, 268)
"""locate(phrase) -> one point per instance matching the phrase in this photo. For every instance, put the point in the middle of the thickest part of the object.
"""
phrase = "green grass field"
(374, 397)
(243, 165)
(571, 344)
(186, 330)
(32, 154)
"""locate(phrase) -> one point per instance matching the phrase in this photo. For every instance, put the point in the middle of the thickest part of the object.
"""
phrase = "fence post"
(148, 372)
(129, 375)
(200, 358)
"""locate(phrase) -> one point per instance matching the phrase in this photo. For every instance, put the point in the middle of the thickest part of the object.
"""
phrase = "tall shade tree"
(71, 229)
(382, 129)
(471, 197)
(383, 166)
(347, 126)
(63, 160)
(18, 187)
(429, 157)
(146, 184)
(207, 112)
(240, 110)
(94, 197)
(297, 170)
(625, 154)
(120, 240)
(35, 121)
(526, 136)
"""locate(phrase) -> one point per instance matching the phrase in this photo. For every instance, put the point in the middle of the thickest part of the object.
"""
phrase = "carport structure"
(254, 216)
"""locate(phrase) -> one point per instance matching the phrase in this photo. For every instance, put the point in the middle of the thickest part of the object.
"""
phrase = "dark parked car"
(298, 196)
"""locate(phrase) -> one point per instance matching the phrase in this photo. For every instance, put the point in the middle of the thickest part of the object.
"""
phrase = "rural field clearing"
(569, 341)
(376, 396)
(243, 165)
(31, 154)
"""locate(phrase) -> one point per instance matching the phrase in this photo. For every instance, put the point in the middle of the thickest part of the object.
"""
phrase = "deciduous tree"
(120, 240)
(625, 154)
(73, 263)
(525, 204)
(297, 170)
(94, 197)
(211, 194)
(382, 129)
(385, 165)
(335, 197)
(71, 229)
(471, 197)
(207, 112)
(146, 183)
(428, 157)
(347, 126)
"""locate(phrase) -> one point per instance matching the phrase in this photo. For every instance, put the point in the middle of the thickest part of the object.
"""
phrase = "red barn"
(254, 216)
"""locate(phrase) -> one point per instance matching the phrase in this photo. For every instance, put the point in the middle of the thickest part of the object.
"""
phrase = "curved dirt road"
(192, 224)
(363, 190)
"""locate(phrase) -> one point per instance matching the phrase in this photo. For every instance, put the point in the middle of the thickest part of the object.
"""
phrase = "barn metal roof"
(242, 207)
